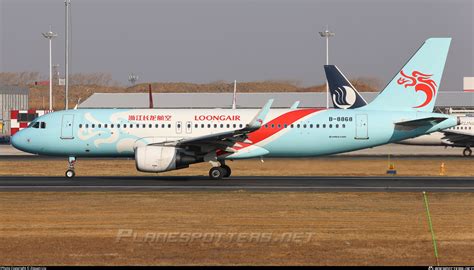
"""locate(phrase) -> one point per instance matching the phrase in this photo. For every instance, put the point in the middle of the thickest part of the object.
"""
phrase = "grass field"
(303, 228)
(48, 228)
(271, 167)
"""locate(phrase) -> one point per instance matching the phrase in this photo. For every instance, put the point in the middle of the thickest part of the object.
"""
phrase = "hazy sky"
(210, 40)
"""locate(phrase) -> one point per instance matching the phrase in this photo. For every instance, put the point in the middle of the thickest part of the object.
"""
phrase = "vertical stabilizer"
(343, 93)
(416, 85)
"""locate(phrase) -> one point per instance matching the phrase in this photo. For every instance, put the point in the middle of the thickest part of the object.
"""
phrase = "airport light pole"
(327, 34)
(50, 35)
(66, 58)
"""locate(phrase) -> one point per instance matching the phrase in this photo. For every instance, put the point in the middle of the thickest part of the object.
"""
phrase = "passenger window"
(266, 125)
(130, 126)
(235, 125)
(337, 125)
(279, 126)
(330, 125)
(150, 125)
(162, 125)
(228, 126)
(87, 125)
(222, 125)
(143, 126)
(156, 125)
(169, 125)
(179, 126)
(343, 125)
(105, 125)
(118, 125)
(43, 125)
(137, 125)
(93, 125)
(208, 125)
(304, 126)
(298, 126)
(273, 125)
(310, 125)
(80, 125)
(324, 125)
(292, 125)
(240, 125)
(285, 125)
(317, 125)
(196, 125)
(215, 125)
(111, 125)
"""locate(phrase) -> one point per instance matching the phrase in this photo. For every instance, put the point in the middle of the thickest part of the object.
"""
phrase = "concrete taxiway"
(201, 183)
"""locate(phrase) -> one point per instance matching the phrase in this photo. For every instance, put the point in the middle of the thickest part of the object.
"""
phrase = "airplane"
(345, 96)
(162, 140)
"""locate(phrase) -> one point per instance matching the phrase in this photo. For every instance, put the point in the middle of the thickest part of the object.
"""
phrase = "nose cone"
(20, 142)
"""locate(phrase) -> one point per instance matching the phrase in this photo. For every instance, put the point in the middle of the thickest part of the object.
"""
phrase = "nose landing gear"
(467, 152)
(70, 171)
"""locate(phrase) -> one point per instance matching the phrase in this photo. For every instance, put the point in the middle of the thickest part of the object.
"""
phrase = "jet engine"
(153, 158)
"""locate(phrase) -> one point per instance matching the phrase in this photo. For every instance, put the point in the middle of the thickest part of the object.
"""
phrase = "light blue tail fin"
(416, 85)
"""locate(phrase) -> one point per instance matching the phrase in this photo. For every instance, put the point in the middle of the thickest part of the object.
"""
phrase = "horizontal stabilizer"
(422, 122)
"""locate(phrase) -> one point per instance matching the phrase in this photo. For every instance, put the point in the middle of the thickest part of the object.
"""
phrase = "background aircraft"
(169, 139)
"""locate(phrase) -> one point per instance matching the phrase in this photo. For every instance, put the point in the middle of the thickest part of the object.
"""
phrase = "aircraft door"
(189, 127)
(67, 126)
(179, 127)
(362, 125)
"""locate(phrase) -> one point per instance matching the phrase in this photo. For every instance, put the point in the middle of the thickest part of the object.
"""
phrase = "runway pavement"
(310, 183)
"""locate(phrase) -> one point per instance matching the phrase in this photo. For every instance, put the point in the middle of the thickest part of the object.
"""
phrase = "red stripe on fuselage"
(266, 132)
(287, 118)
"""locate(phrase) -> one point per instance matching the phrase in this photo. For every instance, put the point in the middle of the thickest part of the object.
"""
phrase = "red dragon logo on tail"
(421, 82)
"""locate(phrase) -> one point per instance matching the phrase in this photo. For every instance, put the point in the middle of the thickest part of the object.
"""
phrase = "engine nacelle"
(153, 158)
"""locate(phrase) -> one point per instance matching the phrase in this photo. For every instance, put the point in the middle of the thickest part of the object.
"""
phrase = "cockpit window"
(32, 124)
(38, 125)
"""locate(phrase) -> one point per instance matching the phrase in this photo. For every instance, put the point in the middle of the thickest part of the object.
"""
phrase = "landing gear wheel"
(216, 173)
(467, 152)
(227, 170)
(70, 173)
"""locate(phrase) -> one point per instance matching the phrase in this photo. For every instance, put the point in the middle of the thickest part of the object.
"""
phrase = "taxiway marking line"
(233, 187)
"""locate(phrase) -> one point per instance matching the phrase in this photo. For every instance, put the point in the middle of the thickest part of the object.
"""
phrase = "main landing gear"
(219, 172)
(70, 171)
(467, 152)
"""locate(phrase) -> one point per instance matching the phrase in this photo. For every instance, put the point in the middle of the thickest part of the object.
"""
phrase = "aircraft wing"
(223, 140)
(458, 138)
(295, 105)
